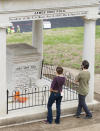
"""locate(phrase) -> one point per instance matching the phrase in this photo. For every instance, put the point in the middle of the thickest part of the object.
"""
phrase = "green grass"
(19, 38)
(62, 46)
(64, 35)
(98, 32)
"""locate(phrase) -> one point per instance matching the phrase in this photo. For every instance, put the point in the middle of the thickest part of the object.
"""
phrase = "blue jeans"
(54, 97)
(82, 104)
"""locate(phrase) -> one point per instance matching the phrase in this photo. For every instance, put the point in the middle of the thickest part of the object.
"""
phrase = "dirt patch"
(97, 96)
(97, 48)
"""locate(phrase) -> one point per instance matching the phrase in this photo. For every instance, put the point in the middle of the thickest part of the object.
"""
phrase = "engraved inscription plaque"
(23, 66)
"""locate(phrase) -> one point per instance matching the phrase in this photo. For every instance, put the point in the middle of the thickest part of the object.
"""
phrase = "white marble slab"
(23, 66)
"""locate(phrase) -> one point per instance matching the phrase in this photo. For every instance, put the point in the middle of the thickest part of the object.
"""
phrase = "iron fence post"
(7, 101)
(41, 69)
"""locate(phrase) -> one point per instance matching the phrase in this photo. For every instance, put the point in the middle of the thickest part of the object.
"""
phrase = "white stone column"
(3, 89)
(37, 39)
(89, 53)
(37, 35)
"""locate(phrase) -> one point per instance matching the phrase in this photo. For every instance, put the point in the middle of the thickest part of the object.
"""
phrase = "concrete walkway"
(67, 124)
(94, 127)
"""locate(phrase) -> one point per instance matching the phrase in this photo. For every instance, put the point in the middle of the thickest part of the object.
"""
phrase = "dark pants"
(54, 97)
(82, 104)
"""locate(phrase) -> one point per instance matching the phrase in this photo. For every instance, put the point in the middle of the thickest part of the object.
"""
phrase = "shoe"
(87, 117)
(47, 122)
(57, 122)
(77, 116)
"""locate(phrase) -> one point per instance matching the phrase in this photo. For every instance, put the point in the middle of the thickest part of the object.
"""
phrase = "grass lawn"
(62, 46)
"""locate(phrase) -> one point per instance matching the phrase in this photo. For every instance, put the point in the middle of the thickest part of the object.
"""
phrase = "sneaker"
(87, 117)
(77, 116)
(57, 121)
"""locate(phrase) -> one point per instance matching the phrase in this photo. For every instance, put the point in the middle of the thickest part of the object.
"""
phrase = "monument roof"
(15, 5)
(23, 10)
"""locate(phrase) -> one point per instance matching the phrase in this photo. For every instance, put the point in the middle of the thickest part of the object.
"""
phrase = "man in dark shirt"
(56, 89)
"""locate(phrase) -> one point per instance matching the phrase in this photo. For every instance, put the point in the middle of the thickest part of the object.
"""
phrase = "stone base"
(30, 115)
(39, 113)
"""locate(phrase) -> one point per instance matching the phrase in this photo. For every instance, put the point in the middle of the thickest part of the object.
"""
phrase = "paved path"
(97, 83)
(67, 124)
(94, 127)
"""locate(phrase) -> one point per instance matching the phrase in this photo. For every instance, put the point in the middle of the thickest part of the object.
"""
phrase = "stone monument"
(23, 66)
(37, 10)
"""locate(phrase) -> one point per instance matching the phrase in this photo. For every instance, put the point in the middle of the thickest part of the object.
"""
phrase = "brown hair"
(85, 64)
(59, 70)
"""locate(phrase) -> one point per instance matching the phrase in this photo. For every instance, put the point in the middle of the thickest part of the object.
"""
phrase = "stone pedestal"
(23, 66)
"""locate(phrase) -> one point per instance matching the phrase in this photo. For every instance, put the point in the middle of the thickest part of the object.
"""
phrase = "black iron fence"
(36, 96)
(49, 72)
(27, 98)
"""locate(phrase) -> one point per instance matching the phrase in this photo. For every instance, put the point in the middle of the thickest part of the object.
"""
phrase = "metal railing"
(36, 96)
(27, 98)
(49, 72)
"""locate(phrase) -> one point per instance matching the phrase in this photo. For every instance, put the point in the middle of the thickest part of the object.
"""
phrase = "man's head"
(85, 64)
(59, 70)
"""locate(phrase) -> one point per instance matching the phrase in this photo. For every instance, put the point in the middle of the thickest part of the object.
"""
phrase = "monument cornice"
(38, 9)
(11, 6)
(66, 8)
(49, 13)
